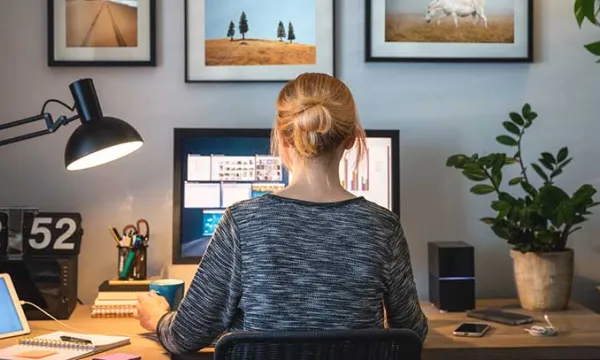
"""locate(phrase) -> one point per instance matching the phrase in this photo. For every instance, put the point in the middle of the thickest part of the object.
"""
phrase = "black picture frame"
(251, 76)
(80, 56)
(527, 55)
(179, 136)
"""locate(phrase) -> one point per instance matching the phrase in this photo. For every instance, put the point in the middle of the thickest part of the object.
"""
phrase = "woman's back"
(321, 266)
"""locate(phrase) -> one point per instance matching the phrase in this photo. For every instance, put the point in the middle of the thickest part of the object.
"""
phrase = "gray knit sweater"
(276, 263)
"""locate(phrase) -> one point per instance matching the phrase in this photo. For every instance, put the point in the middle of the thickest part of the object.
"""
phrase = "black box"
(49, 282)
(451, 275)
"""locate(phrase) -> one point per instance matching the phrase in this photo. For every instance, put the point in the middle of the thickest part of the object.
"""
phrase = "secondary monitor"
(215, 168)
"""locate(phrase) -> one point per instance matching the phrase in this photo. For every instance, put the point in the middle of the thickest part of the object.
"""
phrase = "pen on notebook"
(115, 235)
(75, 340)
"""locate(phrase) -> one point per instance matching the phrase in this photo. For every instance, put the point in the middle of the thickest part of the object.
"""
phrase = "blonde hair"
(316, 114)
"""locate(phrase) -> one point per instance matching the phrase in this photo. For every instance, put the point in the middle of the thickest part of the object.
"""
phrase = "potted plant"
(538, 222)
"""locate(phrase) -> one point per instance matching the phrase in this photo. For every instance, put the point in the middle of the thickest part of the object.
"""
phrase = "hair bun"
(315, 117)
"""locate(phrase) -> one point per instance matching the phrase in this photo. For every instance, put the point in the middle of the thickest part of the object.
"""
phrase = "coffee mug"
(170, 289)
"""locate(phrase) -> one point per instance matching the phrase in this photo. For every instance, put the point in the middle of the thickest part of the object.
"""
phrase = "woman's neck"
(316, 184)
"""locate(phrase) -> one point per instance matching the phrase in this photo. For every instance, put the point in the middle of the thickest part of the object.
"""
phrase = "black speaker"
(47, 281)
(451, 275)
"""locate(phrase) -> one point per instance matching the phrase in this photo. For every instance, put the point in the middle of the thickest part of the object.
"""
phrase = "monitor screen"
(215, 168)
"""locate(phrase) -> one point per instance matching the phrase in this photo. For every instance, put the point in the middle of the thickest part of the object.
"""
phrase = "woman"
(312, 256)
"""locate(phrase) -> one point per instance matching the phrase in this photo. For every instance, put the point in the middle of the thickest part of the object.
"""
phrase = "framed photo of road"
(449, 30)
(101, 32)
(257, 40)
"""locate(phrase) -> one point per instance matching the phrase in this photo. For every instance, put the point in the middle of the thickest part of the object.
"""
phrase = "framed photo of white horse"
(449, 30)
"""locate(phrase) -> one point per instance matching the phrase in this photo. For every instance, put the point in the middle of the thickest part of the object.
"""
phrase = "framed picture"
(449, 30)
(257, 40)
(101, 33)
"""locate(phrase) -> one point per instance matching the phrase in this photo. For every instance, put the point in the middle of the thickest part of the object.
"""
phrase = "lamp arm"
(51, 125)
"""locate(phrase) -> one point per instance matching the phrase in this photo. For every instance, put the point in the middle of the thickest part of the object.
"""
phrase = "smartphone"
(472, 329)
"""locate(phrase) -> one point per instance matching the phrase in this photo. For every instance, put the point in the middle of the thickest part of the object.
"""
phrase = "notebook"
(50, 347)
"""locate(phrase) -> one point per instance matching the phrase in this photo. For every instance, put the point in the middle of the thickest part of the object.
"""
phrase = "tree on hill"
(291, 36)
(281, 31)
(231, 31)
(243, 26)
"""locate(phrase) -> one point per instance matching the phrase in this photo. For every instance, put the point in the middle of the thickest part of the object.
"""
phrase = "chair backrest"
(372, 344)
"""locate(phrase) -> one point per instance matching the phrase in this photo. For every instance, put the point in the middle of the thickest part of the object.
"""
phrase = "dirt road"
(100, 23)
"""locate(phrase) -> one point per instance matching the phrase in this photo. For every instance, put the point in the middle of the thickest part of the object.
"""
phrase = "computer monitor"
(215, 168)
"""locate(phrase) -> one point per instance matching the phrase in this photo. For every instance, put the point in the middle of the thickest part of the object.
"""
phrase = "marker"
(75, 340)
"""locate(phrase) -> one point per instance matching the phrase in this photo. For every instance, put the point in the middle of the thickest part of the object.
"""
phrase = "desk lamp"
(100, 139)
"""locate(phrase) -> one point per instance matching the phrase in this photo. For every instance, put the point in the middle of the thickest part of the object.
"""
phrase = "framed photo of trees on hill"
(257, 40)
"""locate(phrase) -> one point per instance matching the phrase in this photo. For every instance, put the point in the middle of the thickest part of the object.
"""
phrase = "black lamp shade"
(99, 141)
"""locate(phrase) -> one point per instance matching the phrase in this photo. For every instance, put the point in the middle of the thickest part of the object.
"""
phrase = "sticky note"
(118, 356)
(36, 354)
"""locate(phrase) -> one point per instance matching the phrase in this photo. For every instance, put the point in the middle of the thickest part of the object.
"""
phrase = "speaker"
(49, 282)
(451, 275)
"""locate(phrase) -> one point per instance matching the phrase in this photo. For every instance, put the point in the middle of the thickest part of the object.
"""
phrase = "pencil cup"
(132, 263)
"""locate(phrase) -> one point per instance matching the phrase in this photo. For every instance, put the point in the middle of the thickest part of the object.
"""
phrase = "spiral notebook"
(51, 347)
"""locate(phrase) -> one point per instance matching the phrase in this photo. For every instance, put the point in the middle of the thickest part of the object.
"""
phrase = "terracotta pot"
(543, 279)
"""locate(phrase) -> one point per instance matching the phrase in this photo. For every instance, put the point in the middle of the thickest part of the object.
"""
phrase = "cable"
(74, 328)
(71, 108)
(48, 315)
(549, 330)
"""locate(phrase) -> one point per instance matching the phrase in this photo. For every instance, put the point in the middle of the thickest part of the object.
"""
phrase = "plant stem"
(563, 238)
(491, 180)
(523, 173)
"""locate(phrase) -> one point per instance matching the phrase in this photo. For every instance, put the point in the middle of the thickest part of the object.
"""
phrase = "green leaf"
(456, 161)
(502, 230)
(550, 199)
(549, 157)
(500, 205)
(583, 195)
(555, 173)
(594, 48)
(507, 140)
(529, 189)
(497, 179)
(562, 154)
(540, 172)
(510, 161)
(511, 127)
(588, 10)
(530, 118)
(498, 163)
(516, 118)
(546, 164)
(488, 220)
(526, 110)
(482, 189)
(564, 163)
(515, 181)
(578, 10)
(474, 176)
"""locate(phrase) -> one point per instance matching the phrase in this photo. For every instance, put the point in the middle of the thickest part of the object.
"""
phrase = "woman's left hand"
(150, 308)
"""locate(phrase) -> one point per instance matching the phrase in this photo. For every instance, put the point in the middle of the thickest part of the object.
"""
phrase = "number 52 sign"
(52, 233)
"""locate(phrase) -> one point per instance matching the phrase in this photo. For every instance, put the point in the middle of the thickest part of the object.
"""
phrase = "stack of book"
(117, 298)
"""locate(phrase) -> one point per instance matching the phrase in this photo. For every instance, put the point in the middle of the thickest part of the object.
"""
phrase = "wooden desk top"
(578, 338)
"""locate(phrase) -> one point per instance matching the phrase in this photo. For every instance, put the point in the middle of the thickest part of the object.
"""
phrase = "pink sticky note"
(118, 356)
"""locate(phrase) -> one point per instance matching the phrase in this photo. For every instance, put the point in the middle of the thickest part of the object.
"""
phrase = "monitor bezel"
(182, 133)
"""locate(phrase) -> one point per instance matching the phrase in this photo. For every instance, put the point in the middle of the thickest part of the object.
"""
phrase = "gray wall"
(441, 109)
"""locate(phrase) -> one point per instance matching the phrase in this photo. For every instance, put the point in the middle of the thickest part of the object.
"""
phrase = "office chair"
(372, 344)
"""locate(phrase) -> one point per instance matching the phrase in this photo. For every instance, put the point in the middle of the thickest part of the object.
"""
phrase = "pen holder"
(132, 263)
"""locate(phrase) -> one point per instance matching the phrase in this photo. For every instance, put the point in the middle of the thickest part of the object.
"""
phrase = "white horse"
(456, 8)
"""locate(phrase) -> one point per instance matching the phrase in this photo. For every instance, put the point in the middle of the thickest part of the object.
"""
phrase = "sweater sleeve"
(401, 299)
(212, 299)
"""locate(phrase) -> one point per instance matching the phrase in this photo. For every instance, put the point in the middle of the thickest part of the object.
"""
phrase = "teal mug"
(170, 289)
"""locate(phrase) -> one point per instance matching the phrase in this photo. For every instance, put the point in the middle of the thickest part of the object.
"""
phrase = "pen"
(75, 340)
(115, 234)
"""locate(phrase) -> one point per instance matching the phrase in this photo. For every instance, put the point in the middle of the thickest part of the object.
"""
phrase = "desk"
(579, 336)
